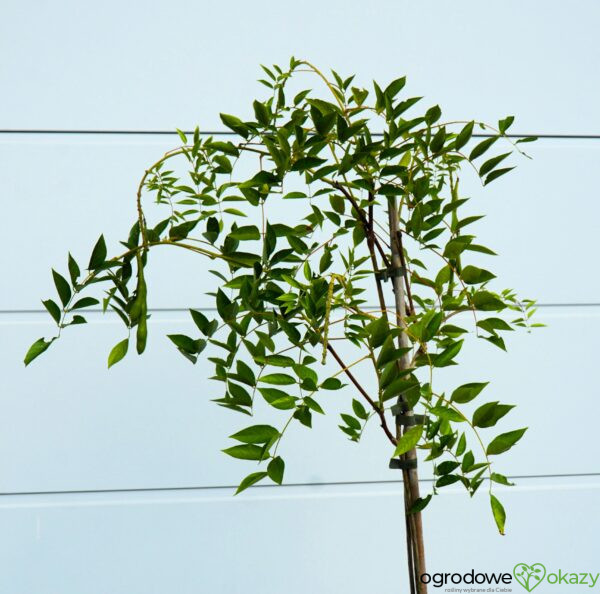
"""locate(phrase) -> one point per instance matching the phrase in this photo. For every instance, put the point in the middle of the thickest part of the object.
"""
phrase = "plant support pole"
(411, 475)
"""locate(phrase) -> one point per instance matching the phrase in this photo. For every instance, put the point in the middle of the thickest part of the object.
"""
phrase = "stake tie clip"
(408, 420)
(399, 410)
(385, 274)
(397, 464)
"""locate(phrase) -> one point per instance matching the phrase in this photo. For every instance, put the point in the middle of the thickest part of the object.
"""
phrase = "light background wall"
(113, 481)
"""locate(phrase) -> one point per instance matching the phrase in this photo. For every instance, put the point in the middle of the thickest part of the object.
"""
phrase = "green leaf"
(409, 388)
(409, 440)
(482, 147)
(504, 442)
(74, 271)
(242, 259)
(118, 352)
(235, 124)
(239, 394)
(505, 124)
(351, 421)
(325, 261)
(455, 247)
(447, 479)
(62, 287)
(313, 405)
(395, 87)
(387, 352)
(85, 302)
(278, 379)
(201, 321)
(496, 341)
(451, 330)
(464, 136)
(501, 479)
(294, 195)
(224, 164)
(268, 343)
(245, 374)
(472, 275)
(36, 349)
(433, 114)
(256, 434)
(461, 446)
(378, 331)
(305, 163)
(447, 414)
(527, 139)
(304, 415)
(306, 373)
(98, 256)
(212, 229)
(437, 142)
(261, 113)
(53, 310)
(447, 467)
(498, 512)
(245, 233)
(225, 147)
(337, 203)
(481, 249)
(247, 451)
(277, 398)
(359, 410)
(493, 324)
(420, 504)
(275, 470)
(275, 360)
(187, 344)
(446, 357)
(467, 392)
(496, 174)
(489, 414)
(359, 95)
(486, 301)
(225, 307)
(467, 462)
(250, 480)
(331, 383)
(182, 231)
(491, 163)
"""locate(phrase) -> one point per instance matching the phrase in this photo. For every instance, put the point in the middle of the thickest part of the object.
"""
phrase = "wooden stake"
(410, 476)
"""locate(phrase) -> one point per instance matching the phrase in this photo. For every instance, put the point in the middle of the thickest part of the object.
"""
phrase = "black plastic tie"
(397, 464)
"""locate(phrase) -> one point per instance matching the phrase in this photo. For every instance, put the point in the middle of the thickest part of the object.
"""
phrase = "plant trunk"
(414, 524)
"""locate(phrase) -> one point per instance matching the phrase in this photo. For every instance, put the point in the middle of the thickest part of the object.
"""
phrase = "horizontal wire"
(216, 487)
(82, 132)
(210, 308)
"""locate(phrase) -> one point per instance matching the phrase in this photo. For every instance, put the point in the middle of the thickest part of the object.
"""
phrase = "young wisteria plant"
(373, 191)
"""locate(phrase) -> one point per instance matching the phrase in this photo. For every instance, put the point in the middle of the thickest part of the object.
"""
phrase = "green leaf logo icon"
(529, 576)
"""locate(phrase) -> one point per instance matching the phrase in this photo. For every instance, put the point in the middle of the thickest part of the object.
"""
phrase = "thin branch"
(363, 220)
(370, 244)
(364, 394)
(405, 274)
